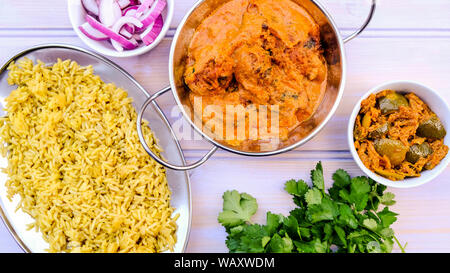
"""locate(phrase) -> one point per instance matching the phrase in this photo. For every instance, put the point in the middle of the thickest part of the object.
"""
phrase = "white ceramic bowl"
(77, 16)
(438, 105)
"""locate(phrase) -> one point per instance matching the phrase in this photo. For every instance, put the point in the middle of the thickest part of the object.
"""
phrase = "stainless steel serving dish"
(332, 43)
(16, 221)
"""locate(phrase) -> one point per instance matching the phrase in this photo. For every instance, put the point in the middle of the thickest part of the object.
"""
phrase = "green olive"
(391, 102)
(395, 150)
(380, 131)
(432, 128)
(366, 121)
(358, 134)
(418, 151)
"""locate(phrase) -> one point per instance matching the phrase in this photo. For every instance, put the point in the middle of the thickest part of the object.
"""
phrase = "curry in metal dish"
(258, 54)
(397, 135)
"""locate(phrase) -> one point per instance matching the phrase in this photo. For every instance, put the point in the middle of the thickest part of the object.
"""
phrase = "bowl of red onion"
(121, 28)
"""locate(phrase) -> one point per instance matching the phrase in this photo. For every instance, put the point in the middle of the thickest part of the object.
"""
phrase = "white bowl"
(77, 16)
(437, 104)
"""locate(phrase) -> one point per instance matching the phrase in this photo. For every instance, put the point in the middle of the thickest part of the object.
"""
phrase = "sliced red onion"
(130, 11)
(109, 12)
(125, 33)
(90, 6)
(126, 23)
(92, 33)
(144, 7)
(152, 14)
(137, 37)
(123, 3)
(126, 20)
(117, 46)
(150, 35)
(130, 28)
(114, 35)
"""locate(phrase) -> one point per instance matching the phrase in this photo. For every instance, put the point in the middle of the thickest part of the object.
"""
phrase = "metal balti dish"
(332, 43)
(16, 221)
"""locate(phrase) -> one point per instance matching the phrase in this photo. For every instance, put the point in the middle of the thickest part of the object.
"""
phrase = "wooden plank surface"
(408, 39)
(392, 14)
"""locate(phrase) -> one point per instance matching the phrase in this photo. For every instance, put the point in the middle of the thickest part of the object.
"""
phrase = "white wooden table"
(408, 39)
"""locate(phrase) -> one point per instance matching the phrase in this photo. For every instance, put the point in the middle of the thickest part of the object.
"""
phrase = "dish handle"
(166, 164)
(364, 26)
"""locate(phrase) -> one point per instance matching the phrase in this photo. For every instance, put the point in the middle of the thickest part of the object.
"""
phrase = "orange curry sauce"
(257, 52)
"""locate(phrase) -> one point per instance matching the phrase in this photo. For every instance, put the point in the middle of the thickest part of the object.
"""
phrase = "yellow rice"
(75, 159)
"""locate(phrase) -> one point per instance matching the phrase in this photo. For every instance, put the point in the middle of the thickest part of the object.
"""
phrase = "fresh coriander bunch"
(347, 218)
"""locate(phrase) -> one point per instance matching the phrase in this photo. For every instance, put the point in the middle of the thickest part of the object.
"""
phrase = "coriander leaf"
(326, 210)
(317, 229)
(321, 247)
(388, 199)
(252, 239)
(370, 224)
(290, 225)
(387, 232)
(359, 189)
(304, 232)
(358, 194)
(315, 246)
(327, 231)
(265, 240)
(236, 229)
(233, 243)
(296, 188)
(334, 193)
(374, 247)
(360, 239)
(380, 188)
(375, 195)
(341, 235)
(299, 214)
(387, 217)
(341, 179)
(273, 222)
(388, 245)
(237, 208)
(280, 245)
(351, 248)
(358, 235)
(304, 247)
(317, 177)
(346, 217)
(313, 197)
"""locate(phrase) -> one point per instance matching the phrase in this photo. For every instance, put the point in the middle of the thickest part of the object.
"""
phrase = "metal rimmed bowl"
(332, 43)
(16, 221)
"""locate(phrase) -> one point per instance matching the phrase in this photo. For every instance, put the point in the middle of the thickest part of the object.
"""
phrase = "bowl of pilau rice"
(75, 176)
